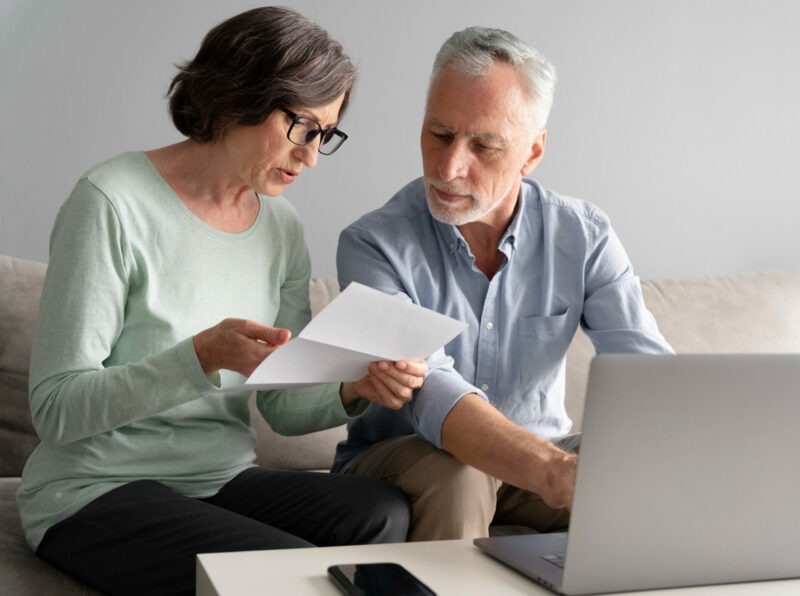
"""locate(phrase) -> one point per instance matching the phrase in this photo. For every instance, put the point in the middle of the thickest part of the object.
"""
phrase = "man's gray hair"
(476, 49)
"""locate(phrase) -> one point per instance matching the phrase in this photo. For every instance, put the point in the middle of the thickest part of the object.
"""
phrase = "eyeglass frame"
(321, 132)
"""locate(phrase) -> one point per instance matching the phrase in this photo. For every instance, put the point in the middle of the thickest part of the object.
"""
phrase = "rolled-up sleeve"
(615, 317)
(362, 260)
(442, 389)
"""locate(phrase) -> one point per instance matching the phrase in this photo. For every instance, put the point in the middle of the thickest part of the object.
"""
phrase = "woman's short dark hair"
(252, 64)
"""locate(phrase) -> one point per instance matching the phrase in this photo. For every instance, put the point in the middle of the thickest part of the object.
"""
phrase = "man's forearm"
(479, 435)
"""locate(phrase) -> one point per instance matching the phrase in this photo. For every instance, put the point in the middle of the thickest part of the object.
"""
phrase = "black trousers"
(142, 538)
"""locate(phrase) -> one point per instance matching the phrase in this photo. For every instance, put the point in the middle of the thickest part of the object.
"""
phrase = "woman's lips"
(287, 176)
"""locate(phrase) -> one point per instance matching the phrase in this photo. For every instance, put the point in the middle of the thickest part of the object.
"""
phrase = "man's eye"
(444, 137)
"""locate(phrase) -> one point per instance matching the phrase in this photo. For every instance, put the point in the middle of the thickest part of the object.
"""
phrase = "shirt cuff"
(356, 408)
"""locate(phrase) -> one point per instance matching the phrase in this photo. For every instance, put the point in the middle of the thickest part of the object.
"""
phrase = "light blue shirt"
(564, 266)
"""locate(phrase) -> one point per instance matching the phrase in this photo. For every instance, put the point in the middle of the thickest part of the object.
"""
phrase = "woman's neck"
(201, 177)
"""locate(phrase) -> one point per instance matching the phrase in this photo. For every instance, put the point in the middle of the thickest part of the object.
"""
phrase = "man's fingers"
(408, 374)
(392, 384)
(385, 396)
(398, 389)
(400, 383)
(417, 368)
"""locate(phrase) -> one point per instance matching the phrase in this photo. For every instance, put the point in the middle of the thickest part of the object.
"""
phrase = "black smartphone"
(377, 579)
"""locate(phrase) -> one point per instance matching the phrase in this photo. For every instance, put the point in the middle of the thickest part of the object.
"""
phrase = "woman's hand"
(390, 384)
(237, 344)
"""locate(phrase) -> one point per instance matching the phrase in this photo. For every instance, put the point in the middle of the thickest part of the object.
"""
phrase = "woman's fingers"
(241, 345)
(237, 344)
(270, 335)
(267, 340)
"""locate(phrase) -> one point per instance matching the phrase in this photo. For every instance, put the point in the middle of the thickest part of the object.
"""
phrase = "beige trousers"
(449, 499)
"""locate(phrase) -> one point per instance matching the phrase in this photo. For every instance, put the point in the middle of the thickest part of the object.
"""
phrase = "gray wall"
(678, 117)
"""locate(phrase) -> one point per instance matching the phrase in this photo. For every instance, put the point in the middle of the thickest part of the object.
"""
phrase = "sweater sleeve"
(73, 393)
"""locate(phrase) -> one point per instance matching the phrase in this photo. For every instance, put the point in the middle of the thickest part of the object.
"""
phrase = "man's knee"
(439, 476)
(422, 470)
(450, 499)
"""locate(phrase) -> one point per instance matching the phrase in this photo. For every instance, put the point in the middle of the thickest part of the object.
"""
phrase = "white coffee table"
(447, 567)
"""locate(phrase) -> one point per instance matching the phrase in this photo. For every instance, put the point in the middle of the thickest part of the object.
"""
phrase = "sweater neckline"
(188, 215)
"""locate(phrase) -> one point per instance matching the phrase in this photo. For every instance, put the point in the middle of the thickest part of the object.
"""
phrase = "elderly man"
(475, 240)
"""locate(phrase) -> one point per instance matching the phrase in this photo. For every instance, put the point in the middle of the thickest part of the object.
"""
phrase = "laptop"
(687, 475)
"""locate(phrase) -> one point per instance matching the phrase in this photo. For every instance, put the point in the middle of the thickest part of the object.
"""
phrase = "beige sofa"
(751, 312)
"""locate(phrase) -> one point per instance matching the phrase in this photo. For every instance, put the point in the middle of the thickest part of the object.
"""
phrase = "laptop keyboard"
(557, 560)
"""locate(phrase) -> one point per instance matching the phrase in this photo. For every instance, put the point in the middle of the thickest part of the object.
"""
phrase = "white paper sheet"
(357, 327)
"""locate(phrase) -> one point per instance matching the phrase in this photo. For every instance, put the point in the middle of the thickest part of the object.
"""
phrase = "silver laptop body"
(687, 475)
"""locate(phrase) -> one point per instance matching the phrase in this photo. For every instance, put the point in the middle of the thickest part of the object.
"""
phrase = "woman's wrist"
(197, 341)
(348, 393)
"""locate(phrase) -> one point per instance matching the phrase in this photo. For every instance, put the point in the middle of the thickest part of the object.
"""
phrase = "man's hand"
(479, 435)
(560, 481)
(390, 384)
(237, 344)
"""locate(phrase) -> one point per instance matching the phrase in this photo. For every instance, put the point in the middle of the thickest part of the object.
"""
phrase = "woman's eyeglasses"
(303, 130)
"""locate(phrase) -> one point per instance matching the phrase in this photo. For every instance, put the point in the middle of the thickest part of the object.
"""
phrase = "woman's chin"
(271, 189)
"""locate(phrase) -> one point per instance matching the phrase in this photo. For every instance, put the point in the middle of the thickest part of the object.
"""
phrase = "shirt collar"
(453, 238)
(513, 230)
(450, 234)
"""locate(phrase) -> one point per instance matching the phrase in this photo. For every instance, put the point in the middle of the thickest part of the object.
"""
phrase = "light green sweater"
(115, 383)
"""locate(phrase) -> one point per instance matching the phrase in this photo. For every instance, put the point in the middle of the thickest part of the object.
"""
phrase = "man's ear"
(537, 151)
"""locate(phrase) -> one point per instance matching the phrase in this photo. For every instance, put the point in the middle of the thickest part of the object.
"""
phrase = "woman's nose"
(308, 154)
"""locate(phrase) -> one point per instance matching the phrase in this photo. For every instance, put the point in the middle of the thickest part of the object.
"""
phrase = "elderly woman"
(140, 468)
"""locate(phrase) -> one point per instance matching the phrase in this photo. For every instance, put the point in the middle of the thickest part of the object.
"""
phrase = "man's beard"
(452, 214)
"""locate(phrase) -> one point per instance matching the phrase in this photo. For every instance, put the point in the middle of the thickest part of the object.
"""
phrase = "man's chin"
(451, 216)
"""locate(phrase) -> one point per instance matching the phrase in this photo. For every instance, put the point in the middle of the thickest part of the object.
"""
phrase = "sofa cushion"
(321, 290)
(21, 572)
(742, 313)
(20, 288)
(313, 451)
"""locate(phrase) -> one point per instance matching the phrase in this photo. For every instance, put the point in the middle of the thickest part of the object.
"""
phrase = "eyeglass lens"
(306, 130)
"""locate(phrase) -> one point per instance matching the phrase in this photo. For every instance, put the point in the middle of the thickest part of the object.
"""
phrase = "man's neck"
(483, 236)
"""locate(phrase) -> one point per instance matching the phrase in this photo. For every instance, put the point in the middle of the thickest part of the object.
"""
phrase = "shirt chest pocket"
(543, 341)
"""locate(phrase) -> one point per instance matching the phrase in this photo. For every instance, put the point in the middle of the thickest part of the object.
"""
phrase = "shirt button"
(452, 246)
(485, 387)
(489, 325)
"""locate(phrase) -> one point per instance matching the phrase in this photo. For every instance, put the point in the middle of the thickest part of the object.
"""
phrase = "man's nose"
(454, 162)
